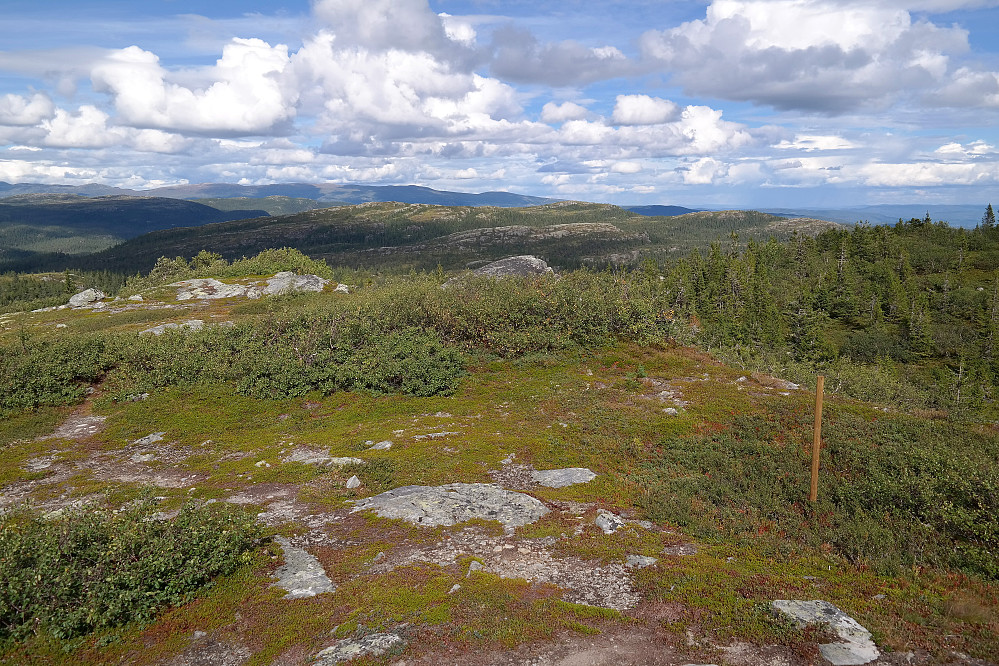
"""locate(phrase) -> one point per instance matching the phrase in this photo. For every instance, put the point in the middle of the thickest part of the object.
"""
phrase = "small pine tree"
(989, 218)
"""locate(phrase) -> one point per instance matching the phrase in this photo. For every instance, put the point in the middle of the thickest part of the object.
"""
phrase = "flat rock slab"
(314, 457)
(77, 427)
(560, 478)
(855, 646)
(301, 575)
(190, 324)
(371, 645)
(434, 506)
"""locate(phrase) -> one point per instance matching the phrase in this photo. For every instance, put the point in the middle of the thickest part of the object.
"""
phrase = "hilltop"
(529, 470)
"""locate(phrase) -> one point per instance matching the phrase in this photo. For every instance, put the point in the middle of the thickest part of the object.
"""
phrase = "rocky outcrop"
(433, 506)
(285, 282)
(371, 645)
(855, 647)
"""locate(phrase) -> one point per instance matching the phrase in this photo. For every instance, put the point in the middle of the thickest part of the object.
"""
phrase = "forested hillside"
(399, 237)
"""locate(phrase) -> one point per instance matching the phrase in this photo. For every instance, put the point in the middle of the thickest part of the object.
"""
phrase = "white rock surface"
(301, 575)
(353, 482)
(150, 439)
(855, 647)
(352, 648)
(432, 506)
(560, 478)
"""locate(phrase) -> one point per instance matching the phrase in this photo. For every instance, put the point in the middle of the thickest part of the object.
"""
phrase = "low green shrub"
(893, 493)
(50, 372)
(93, 568)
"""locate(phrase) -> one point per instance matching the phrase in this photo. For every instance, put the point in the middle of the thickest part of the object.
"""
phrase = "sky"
(741, 103)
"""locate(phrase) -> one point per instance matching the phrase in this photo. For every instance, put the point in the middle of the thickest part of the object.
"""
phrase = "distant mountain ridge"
(321, 192)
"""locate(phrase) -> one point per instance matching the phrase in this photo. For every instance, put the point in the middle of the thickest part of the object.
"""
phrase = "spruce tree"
(989, 218)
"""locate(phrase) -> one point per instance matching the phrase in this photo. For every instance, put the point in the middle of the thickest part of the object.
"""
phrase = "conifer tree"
(989, 218)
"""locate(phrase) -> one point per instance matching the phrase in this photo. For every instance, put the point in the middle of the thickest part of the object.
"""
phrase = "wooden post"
(817, 442)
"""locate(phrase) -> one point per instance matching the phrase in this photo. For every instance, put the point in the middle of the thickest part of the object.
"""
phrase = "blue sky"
(743, 103)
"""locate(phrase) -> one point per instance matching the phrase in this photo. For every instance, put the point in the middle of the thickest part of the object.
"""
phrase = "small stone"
(475, 565)
(560, 478)
(640, 561)
(262, 463)
(379, 557)
(135, 297)
(384, 445)
(608, 522)
(353, 482)
(341, 289)
(454, 588)
(671, 411)
(199, 634)
(61, 326)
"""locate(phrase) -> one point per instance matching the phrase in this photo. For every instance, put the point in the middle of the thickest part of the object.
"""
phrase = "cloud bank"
(752, 96)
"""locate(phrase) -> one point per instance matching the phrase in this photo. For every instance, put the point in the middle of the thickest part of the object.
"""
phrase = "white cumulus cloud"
(643, 110)
(21, 110)
(243, 92)
(559, 113)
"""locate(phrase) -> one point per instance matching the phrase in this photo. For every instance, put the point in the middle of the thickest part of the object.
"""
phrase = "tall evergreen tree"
(989, 218)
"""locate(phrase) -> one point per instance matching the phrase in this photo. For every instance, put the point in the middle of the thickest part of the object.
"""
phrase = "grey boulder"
(86, 297)
(525, 264)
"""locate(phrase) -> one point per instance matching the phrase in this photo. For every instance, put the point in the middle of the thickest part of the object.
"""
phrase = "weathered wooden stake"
(817, 442)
